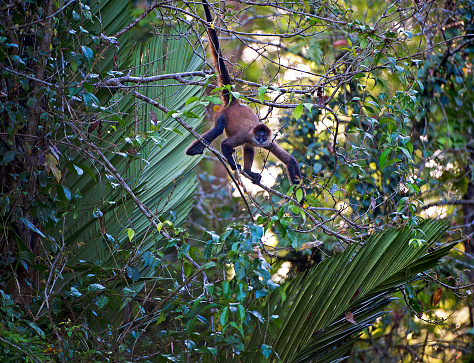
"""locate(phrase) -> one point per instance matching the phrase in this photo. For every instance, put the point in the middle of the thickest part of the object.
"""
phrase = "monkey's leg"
(197, 147)
(227, 148)
(249, 154)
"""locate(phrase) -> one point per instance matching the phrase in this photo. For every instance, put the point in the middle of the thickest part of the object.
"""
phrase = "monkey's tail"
(224, 77)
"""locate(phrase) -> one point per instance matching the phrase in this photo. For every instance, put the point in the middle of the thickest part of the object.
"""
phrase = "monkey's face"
(261, 138)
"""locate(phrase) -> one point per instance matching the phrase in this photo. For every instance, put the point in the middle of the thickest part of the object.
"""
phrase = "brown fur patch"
(239, 119)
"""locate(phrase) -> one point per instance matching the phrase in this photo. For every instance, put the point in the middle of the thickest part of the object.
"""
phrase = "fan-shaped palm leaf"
(161, 175)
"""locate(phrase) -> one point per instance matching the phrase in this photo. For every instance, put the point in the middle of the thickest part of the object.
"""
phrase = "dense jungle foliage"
(118, 247)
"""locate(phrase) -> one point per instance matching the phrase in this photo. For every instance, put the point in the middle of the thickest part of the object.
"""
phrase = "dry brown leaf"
(350, 317)
(436, 296)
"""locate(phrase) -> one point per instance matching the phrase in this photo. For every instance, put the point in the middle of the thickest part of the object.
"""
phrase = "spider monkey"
(240, 123)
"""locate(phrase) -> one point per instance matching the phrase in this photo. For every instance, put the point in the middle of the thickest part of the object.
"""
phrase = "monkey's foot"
(254, 177)
(197, 147)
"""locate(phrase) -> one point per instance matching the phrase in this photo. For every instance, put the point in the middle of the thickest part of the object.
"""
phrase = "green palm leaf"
(162, 176)
(358, 280)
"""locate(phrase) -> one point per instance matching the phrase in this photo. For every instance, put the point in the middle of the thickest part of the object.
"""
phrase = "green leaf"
(36, 328)
(133, 273)
(298, 111)
(130, 233)
(208, 265)
(370, 109)
(266, 350)
(373, 104)
(95, 287)
(391, 161)
(383, 158)
(74, 65)
(412, 299)
(74, 292)
(64, 194)
(317, 167)
(88, 87)
(384, 120)
(238, 327)
(183, 250)
(170, 113)
(224, 317)
(90, 100)
(312, 200)
(188, 269)
(261, 93)
(377, 58)
(299, 195)
(240, 312)
(32, 227)
(86, 169)
(406, 152)
(191, 100)
(101, 301)
(420, 85)
(75, 169)
(87, 52)
(190, 114)
(8, 158)
(214, 99)
(226, 289)
(31, 101)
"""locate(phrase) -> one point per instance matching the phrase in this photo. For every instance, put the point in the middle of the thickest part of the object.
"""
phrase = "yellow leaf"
(216, 108)
(53, 165)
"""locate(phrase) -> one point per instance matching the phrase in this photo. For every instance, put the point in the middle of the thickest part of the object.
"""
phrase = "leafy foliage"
(97, 104)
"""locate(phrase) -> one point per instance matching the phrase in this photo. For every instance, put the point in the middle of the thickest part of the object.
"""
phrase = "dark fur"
(240, 123)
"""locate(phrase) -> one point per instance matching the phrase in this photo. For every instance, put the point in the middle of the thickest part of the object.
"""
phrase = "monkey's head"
(261, 136)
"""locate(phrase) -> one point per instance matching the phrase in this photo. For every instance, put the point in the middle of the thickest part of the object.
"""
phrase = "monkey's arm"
(249, 154)
(197, 147)
(290, 162)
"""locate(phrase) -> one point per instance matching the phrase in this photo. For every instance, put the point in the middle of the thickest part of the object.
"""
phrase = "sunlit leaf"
(298, 111)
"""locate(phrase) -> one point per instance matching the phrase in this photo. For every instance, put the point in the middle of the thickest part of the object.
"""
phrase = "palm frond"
(358, 280)
(162, 176)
